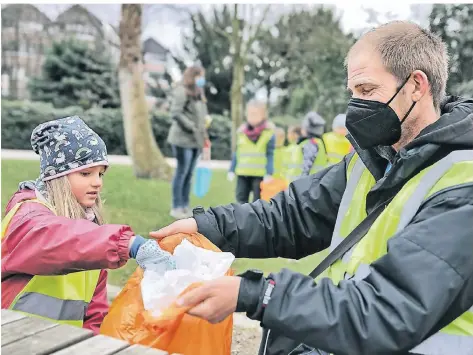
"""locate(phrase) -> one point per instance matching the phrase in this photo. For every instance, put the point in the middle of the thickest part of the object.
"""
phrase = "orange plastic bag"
(271, 188)
(174, 330)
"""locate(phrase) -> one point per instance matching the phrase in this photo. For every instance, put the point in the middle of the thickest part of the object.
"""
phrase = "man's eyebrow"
(368, 83)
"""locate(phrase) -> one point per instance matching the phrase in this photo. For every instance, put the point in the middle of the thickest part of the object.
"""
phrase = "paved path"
(113, 159)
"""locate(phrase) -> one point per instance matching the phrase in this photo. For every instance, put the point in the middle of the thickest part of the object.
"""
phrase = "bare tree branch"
(223, 33)
(257, 32)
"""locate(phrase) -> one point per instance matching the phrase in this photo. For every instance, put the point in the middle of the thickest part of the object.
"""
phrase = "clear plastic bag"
(193, 264)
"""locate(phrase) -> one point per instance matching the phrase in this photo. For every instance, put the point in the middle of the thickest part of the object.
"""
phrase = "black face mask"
(373, 123)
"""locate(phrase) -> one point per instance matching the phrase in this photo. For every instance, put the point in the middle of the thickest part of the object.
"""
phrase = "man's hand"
(188, 225)
(214, 300)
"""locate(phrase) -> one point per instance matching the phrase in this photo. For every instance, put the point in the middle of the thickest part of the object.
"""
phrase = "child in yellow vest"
(279, 150)
(56, 248)
(313, 149)
(253, 160)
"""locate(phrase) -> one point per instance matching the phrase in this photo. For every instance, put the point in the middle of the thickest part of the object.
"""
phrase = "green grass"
(144, 205)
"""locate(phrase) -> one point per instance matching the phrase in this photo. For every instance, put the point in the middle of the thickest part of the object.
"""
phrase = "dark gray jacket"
(188, 115)
(422, 283)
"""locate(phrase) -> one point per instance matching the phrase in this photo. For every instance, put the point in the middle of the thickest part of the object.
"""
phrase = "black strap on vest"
(354, 237)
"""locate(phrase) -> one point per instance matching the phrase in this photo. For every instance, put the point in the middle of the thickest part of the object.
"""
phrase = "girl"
(187, 136)
(55, 245)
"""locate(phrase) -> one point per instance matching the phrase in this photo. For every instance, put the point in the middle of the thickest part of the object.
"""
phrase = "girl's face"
(86, 185)
(280, 139)
(292, 137)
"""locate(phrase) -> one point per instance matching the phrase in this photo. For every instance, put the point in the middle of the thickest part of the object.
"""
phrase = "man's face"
(369, 80)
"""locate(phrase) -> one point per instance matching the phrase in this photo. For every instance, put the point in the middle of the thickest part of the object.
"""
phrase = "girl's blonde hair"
(64, 202)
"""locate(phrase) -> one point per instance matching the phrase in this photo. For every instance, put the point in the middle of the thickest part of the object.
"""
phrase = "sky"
(168, 26)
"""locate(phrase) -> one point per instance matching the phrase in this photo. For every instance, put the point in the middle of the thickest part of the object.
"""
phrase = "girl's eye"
(101, 174)
(85, 174)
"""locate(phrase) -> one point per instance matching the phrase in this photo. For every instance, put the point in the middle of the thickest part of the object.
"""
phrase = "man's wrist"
(254, 294)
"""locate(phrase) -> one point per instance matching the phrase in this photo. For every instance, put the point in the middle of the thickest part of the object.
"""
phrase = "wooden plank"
(22, 328)
(141, 350)
(98, 345)
(9, 316)
(48, 341)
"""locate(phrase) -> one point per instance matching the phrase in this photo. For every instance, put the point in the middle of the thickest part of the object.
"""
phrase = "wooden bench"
(24, 335)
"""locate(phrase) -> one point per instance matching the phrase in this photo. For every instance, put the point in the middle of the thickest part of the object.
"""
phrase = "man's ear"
(421, 85)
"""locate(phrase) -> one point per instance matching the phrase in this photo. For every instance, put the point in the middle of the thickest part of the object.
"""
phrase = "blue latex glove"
(150, 256)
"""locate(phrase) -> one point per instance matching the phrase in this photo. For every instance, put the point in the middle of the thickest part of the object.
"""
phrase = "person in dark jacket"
(187, 135)
(407, 286)
(313, 127)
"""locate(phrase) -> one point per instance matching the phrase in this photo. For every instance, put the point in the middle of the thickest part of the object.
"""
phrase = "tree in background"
(454, 24)
(243, 33)
(75, 74)
(148, 161)
(223, 43)
(302, 56)
(212, 49)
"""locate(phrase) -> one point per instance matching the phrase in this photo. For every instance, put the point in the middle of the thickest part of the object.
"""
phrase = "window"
(5, 85)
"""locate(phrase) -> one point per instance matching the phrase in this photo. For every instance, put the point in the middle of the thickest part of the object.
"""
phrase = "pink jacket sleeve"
(37, 242)
(98, 307)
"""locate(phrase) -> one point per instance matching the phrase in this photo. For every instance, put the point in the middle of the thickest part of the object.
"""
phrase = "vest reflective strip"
(252, 155)
(251, 166)
(352, 183)
(295, 166)
(335, 155)
(426, 183)
(51, 307)
(443, 343)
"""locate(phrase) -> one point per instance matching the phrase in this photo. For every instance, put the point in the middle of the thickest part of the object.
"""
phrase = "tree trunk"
(237, 98)
(238, 76)
(148, 161)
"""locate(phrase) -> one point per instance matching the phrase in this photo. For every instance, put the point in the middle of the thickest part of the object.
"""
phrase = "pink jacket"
(37, 242)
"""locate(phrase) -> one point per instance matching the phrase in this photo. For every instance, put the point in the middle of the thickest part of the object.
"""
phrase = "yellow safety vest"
(337, 147)
(453, 170)
(62, 299)
(279, 162)
(294, 160)
(251, 156)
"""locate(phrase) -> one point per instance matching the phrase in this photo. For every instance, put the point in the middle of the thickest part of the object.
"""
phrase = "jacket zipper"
(266, 343)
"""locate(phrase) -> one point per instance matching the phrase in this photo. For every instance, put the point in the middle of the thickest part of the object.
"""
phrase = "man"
(407, 286)
(336, 144)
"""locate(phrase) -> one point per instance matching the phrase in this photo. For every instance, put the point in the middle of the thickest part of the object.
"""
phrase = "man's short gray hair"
(405, 47)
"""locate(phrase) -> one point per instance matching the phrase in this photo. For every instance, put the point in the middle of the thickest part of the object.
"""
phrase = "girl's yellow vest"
(62, 299)
(453, 170)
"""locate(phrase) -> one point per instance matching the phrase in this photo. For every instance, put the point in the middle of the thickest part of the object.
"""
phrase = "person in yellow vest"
(336, 144)
(279, 150)
(308, 156)
(253, 160)
(55, 245)
(396, 217)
